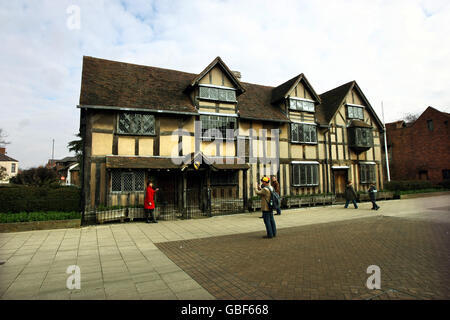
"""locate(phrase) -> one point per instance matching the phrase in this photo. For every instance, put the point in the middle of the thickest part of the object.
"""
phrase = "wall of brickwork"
(415, 148)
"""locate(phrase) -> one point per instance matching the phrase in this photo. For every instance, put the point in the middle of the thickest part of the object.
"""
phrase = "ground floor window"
(123, 180)
(367, 173)
(305, 174)
(223, 178)
(446, 174)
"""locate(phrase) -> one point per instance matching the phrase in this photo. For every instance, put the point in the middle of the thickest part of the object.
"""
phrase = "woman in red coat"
(149, 202)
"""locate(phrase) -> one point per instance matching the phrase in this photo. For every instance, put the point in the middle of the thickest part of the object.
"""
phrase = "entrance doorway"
(340, 180)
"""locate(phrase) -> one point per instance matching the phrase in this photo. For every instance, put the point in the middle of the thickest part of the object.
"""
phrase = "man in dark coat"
(350, 195)
(373, 196)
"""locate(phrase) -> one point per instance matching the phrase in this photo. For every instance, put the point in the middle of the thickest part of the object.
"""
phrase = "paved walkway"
(130, 260)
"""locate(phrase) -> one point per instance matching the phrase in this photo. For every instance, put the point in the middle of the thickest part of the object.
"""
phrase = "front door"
(340, 178)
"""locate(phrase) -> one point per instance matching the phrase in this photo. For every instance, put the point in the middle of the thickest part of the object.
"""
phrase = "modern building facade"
(420, 150)
(141, 122)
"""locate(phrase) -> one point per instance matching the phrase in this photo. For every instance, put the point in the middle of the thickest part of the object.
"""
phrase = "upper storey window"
(217, 93)
(136, 123)
(355, 112)
(301, 104)
(304, 133)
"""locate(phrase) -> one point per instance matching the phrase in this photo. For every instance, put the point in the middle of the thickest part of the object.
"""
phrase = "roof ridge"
(141, 65)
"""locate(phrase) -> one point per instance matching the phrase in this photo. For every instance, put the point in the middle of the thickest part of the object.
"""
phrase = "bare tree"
(3, 173)
(3, 136)
(411, 117)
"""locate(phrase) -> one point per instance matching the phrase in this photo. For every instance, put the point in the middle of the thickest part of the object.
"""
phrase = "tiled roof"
(331, 101)
(4, 157)
(115, 84)
(124, 85)
(255, 103)
(278, 93)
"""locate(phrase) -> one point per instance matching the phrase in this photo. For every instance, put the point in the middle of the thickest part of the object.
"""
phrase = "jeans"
(353, 201)
(374, 204)
(269, 221)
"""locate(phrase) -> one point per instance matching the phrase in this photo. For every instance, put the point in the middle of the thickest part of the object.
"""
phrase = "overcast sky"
(397, 51)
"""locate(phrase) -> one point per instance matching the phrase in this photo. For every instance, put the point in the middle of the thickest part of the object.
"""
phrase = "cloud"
(395, 50)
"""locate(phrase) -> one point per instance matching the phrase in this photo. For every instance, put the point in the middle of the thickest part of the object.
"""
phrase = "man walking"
(276, 188)
(149, 202)
(265, 194)
(373, 196)
(350, 195)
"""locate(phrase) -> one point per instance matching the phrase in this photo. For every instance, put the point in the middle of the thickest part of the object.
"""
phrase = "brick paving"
(323, 261)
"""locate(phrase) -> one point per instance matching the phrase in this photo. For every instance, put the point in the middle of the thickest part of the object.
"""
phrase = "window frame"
(13, 168)
(300, 101)
(301, 131)
(122, 174)
(220, 89)
(368, 172)
(430, 125)
(351, 109)
(232, 178)
(308, 173)
(222, 130)
(141, 114)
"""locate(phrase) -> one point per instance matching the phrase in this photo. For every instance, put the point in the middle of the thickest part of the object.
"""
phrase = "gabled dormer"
(216, 83)
(298, 95)
(348, 102)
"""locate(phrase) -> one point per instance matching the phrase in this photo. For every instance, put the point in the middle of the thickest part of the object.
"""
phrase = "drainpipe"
(385, 145)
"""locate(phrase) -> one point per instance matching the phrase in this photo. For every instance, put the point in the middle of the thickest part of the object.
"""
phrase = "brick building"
(420, 150)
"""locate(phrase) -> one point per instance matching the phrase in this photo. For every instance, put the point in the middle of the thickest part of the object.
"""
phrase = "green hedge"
(39, 199)
(408, 185)
(37, 216)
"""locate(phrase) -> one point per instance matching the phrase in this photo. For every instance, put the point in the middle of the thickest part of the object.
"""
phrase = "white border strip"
(216, 86)
(302, 99)
(340, 167)
(355, 105)
(218, 114)
(305, 162)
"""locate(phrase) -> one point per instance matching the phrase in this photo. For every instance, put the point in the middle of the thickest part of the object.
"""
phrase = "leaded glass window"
(301, 105)
(127, 181)
(354, 112)
(301, 132)
(218, 94)
(305, 174)
(364, 137)
(224, 178)
(217, 126)
(136, 123)
(367, 173)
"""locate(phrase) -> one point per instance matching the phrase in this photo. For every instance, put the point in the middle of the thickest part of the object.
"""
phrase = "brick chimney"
(2, 150)
(237, 74)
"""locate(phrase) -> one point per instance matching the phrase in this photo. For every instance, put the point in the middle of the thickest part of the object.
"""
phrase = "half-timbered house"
(206, 139)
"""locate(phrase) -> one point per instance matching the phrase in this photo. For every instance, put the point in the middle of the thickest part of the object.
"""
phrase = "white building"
(11, 165)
